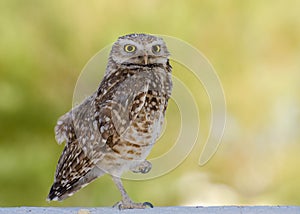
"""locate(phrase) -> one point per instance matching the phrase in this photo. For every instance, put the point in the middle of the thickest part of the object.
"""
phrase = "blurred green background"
(254, 47)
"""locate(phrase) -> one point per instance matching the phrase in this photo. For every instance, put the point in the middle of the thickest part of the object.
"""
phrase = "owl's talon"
(144, 167)
(148, 204)
(121, 205)
(118, 205)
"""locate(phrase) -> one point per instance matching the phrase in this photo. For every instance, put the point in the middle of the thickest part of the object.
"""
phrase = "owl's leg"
(143, 167)
(126, 202)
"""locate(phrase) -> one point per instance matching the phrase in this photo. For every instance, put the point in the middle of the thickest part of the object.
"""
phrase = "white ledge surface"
(163, 210)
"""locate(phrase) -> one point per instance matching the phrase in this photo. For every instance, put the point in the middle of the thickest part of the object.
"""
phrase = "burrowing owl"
(114, 129)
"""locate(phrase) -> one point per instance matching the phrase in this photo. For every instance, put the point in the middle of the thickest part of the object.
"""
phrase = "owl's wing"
(69, 126)
(74, 170)
(81, 153)
(64, 129)
(128, 101)
(124, 104)
(99, 117)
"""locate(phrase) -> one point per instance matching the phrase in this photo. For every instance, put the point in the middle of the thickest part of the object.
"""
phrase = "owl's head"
(140, 49)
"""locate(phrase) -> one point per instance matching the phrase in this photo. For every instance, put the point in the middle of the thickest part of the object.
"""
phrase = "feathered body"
(114, 129)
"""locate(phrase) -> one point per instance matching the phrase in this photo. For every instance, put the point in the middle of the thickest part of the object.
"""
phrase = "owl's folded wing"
(127, 102)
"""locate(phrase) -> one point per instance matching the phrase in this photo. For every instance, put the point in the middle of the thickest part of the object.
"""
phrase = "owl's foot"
(122, 205)
(126, 202)
(143, 167)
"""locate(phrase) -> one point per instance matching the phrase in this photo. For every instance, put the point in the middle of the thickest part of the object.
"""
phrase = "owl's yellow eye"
(156, 48)
(129, 48)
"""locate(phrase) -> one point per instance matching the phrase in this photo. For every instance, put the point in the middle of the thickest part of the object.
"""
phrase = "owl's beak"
(146, 59)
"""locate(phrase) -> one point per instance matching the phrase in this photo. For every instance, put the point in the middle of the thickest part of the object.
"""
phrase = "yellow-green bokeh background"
(254, 47)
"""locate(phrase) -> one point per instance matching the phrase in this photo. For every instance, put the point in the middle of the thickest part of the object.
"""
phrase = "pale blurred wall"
(254, 47)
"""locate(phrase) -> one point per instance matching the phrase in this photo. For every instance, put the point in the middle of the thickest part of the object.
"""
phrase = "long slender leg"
(125, 196)
(126, 202)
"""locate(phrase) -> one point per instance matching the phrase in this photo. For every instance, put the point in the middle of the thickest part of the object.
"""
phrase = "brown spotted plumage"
(114, 129)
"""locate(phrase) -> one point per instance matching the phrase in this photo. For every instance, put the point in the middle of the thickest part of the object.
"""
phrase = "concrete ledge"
(163, 210)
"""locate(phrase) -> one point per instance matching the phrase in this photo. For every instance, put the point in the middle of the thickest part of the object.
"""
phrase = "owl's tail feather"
(59, 191)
